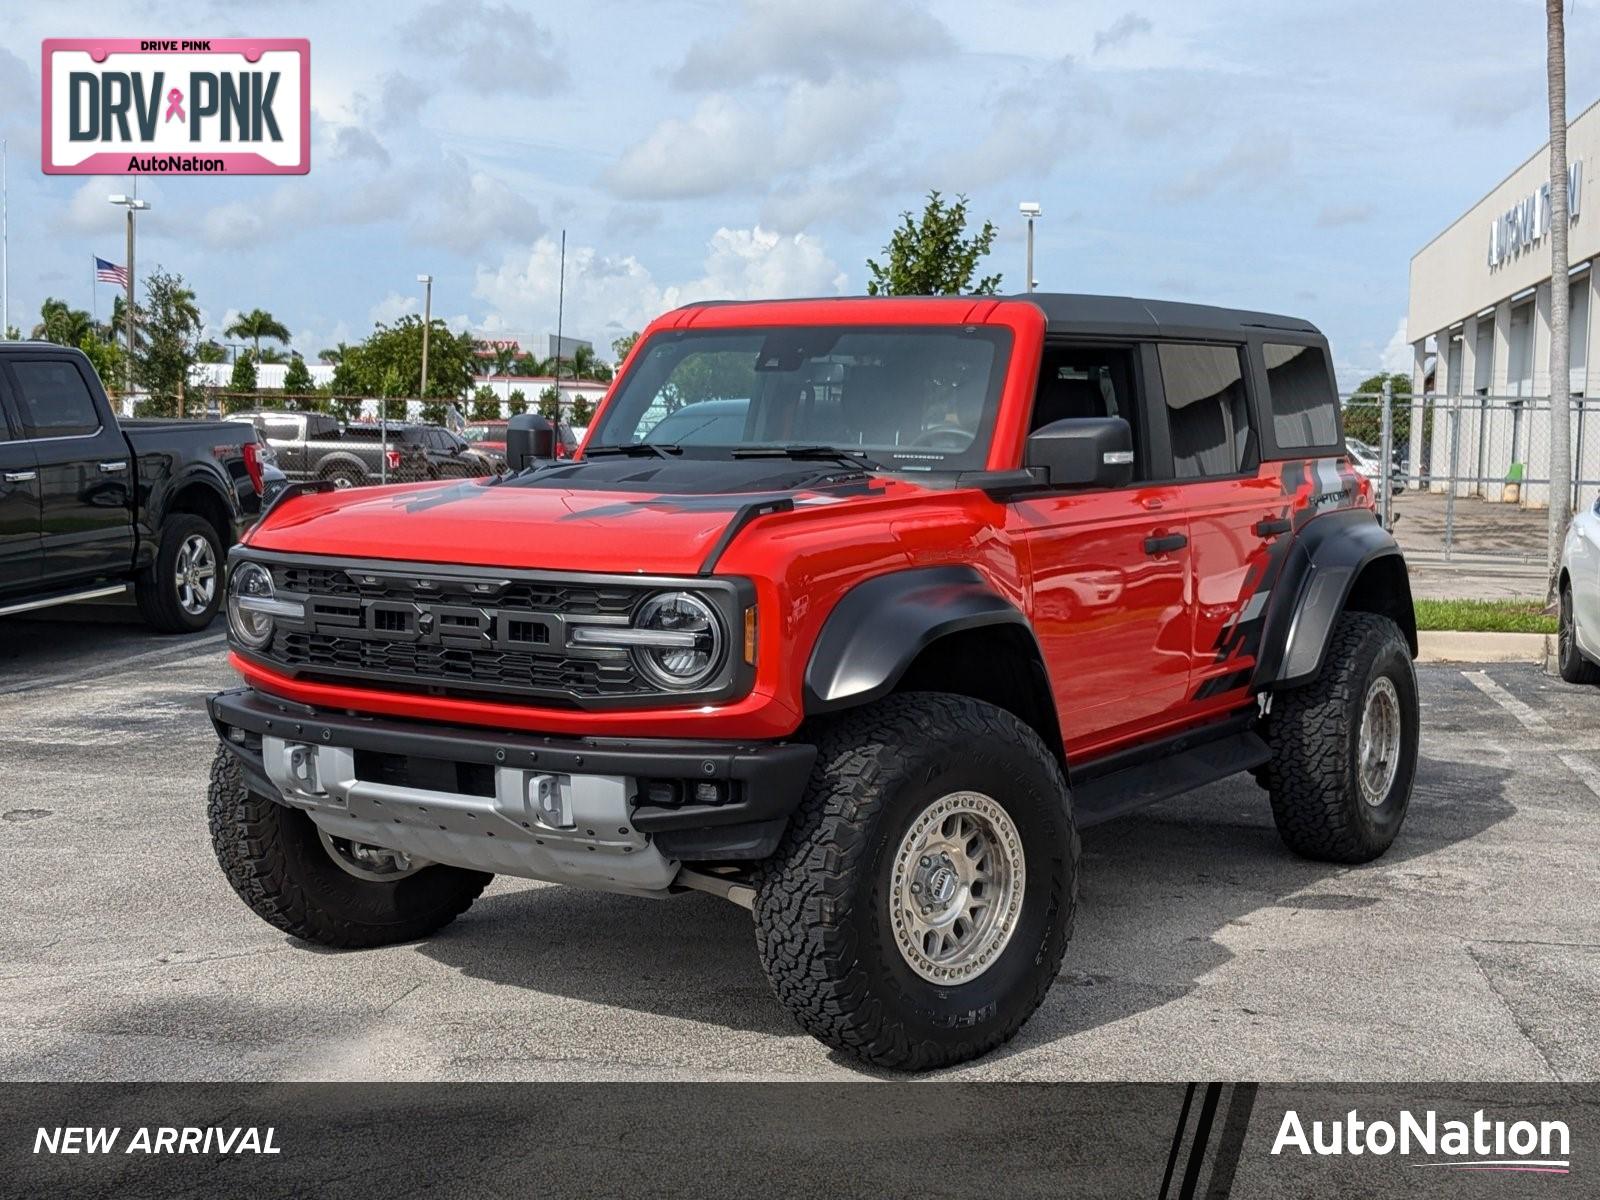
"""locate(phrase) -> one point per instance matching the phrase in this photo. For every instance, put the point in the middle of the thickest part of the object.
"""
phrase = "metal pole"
(427, 322)
(561, 299)
(127, 316)
(1450, 495)
(1030, 254)
(383, 436)
(5, 246)
(1386, 456)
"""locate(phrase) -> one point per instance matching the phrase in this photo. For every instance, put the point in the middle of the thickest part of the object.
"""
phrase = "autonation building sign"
(1521, 226)
(169, 106)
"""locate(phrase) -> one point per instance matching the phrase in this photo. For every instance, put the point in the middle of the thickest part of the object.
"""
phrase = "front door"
(1110, 569)
(21, 550)
(85, 470)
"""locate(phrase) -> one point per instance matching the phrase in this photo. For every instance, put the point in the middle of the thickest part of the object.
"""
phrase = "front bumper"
(620, 814)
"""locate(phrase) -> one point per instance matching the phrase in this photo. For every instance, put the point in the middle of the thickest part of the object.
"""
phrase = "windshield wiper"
(809, 453)
(637, 449)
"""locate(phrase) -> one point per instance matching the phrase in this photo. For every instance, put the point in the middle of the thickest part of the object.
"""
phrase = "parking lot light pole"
(427, 320)
(133, 204)
(1031, 210)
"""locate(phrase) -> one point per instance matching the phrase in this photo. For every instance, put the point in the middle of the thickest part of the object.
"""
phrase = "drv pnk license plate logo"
(209, 106)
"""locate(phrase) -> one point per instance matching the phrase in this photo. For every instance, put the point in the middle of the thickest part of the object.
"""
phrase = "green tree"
(505, 357)
(297, 378)
(1363, 412)
(485, 404)
(257, 324)
(211, 351)
(389, 361)
(624, 345)
(348, 407)
(333, 355)
(582, 410)
(106, 357)
(271, 354)
(62, 324)
(516, 402)
(933, 256)
(550, 403)
(172, 331)
(244, 375)
(115, 328)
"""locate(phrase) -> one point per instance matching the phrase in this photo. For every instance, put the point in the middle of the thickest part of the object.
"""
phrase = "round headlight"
(696, 637)
(251, 627)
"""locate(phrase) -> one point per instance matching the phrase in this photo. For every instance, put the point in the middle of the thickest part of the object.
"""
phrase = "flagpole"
(94, 288)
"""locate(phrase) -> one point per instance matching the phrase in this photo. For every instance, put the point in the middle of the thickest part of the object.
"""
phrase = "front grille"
(415, 630)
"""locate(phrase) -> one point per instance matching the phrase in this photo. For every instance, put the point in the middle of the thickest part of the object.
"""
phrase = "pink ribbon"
(175, 105)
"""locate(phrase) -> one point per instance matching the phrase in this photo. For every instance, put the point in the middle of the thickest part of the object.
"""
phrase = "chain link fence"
(1469, 476)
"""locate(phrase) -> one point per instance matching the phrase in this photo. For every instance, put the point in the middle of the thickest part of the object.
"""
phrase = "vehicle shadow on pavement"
(1156, 889)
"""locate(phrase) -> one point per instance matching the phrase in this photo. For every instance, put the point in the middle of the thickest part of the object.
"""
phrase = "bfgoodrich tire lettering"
(275, 860)
(1315, 774)
(823, 907)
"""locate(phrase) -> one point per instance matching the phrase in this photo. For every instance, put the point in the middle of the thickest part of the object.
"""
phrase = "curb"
(1446, 646)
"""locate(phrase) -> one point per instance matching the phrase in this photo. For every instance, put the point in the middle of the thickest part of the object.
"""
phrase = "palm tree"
(505, 358)
(116, 324)
(1560, 345)
(61, 323)
(257, 324)
(333, 355)
(271, 355)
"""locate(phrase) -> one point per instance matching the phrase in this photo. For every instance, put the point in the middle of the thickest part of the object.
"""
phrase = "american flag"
(109, 272)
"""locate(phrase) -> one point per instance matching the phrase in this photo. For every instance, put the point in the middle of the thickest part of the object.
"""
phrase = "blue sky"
(1282, 156)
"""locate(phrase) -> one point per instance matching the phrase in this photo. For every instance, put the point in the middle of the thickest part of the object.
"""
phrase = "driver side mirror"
(1082, 452)
(530, 440)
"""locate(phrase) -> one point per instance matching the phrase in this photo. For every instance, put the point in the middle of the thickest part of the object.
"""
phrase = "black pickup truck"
(90, 507)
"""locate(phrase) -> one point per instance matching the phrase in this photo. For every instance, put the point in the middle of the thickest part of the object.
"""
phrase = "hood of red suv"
(614, 515)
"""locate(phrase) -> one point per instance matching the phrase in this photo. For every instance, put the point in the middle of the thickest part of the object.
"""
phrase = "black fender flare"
(880, 626)
(341, 458)
(1330, 555)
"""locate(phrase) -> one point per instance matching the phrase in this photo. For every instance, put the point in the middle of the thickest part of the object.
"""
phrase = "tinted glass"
(54, 400)
(1206, 411)
(1304, 410)
(281, 429)
(912, 398)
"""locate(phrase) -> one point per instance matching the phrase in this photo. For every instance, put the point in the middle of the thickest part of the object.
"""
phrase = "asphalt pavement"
(1203, 949)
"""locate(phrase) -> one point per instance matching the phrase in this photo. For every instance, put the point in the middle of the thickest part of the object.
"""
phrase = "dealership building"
(1479, 326)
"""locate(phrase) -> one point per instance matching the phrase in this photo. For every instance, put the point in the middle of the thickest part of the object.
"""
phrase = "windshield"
(484, 433)
(910, 398)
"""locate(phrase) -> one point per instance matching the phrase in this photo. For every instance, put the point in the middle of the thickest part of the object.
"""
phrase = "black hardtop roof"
(1118, 316)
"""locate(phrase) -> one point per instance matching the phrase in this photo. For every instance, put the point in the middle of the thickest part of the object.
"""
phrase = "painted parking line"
(1524, 713)
(1583, 769)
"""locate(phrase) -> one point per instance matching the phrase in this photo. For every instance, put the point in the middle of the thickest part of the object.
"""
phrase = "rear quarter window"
(1300, 397)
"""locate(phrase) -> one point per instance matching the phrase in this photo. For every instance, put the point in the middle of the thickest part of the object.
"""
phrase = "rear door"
(84, 464)
(1109, 568)
(21, 546)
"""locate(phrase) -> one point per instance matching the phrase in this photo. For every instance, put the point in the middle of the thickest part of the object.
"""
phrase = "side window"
(281, 430)
(53, 400)
(1088, 381)
(1305, 411)
(1207, 413)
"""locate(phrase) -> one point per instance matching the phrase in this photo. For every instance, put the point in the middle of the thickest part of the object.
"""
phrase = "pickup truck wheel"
(1344, 747)
(344, 477)
(1574, 667)
(183, 589)
(919, 905)
(316, 888)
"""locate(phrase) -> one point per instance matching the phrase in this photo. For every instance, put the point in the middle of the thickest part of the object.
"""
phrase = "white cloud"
(609, 295)
(1125, 28)
(1397, 354)
(496, 47)
(392, 307)
(813, 39)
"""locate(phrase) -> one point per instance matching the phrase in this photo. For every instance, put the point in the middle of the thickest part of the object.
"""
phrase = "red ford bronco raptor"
(851, 611)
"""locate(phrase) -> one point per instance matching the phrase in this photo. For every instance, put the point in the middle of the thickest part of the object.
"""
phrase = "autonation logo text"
(1475, 1145)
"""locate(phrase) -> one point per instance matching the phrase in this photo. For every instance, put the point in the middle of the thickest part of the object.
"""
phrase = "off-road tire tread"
(153, 591)
(246, 834)
(1309, 732)
(804, 950)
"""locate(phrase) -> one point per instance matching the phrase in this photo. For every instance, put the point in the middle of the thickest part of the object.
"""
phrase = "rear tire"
(1344, 746)
(182, 590)
(1570, 660)
(903, 792)
(343, 477)
(275, 860)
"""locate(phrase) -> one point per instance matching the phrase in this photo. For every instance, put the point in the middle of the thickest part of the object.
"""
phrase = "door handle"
(21, 476)
(110, 468)
(1165, 543)
(1273, 526)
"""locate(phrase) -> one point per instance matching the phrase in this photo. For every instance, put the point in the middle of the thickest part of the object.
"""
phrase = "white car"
(1365, 460)
(1578, 633)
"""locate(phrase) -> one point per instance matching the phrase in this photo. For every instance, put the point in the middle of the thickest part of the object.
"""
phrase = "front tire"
(920, 903)
(1344, 746)
(279, 864)
(182, 590)
(1570, 660)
